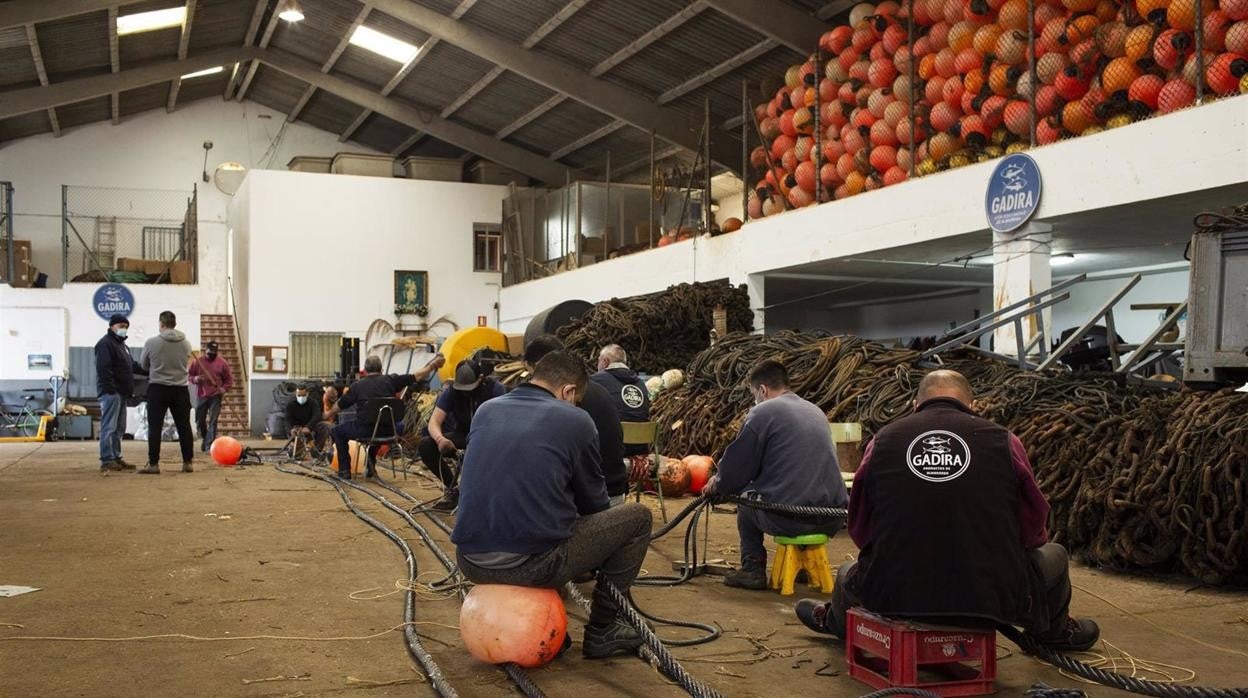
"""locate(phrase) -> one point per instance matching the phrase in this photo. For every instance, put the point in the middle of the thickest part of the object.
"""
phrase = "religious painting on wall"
(411, 292)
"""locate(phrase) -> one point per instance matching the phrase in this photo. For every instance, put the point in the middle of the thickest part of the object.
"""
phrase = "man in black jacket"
(597, 402)
(303, 417)
(533, 502)
(114, 382)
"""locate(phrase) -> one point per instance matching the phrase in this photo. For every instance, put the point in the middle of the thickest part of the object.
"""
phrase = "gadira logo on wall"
(631, 395)
(1013, 193)
(938, 456)
(113, 299)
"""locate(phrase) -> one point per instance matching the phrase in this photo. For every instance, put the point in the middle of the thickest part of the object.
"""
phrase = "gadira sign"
(1013, 193)
(112, 299)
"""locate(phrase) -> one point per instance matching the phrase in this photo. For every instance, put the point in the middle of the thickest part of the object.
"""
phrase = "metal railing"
(131, 235)
(8, 256)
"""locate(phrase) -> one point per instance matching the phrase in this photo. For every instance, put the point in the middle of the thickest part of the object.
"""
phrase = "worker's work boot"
(814, 615)
(752, 575)
(1075, 635)
(187, 467)
(124, 465)
(448, 502)
(111, 465)
(149, 470)
(616, 637)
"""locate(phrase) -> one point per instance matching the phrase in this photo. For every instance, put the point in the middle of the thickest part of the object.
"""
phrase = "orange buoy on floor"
(501, 623)
(226, 451)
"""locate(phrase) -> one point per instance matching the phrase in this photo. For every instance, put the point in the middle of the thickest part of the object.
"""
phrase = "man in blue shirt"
(783, 454)
(533, 502)
(449, 424)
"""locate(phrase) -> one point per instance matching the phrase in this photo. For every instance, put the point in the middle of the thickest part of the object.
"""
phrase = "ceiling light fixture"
(202, 73)
(150, 21)
(1062, 259)
(384, 45)
(290, 11)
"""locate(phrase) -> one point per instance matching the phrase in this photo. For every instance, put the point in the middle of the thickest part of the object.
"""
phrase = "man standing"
(534, 503)
(165, 358)
(114, 382)
(597, 402)
(449, 424)
(373, 385)
(949, 498)
(303, 417)
(212, 377)
(785, 455)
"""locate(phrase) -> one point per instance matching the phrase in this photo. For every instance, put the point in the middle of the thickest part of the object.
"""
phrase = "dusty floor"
(232, 554)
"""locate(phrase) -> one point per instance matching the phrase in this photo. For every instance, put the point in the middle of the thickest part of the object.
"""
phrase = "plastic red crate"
(885, 653)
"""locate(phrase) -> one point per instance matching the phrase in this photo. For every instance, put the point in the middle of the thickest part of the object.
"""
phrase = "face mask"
(121, 332)
(301, 399)
(211, 355)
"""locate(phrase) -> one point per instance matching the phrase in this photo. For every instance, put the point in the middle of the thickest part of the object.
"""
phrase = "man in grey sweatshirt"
(165, 358)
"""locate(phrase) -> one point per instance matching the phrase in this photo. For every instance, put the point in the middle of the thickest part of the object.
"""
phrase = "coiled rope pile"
(659, 330)
(1138, 477)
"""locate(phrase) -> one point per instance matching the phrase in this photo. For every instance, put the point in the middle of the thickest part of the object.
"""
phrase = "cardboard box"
(129, 264)
(154, 267)
(180, 272)
(23, 272)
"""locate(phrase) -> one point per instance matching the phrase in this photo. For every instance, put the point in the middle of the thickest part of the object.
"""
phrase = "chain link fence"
(918, 87)
(8, 256)
(129, 235)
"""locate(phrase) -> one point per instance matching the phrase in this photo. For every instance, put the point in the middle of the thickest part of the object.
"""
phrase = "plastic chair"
(797, 553)
(646, 434)
(385, 415)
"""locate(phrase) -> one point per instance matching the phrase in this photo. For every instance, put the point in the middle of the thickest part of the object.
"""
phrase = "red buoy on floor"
(501, 623)
(226, 451)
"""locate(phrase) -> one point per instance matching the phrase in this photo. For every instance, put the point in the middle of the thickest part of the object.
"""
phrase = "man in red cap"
(211, 375)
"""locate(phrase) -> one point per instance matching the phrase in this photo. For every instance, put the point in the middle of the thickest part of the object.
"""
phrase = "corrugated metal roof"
(275, 89)
(560, 126)
(79, 113)
(139, 48)
(604, 27)
(507, 98)
(220, 23)
(17, 68)
(443, 76)
(143, 98)
(207, 86)
(365, 66)
(329, 112)
(24, 125)
(512, 20)
(384, 131)
(323, 26)
(75, 46)
(393, 26)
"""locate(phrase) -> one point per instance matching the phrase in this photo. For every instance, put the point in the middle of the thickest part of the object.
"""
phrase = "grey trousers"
(612, 542)
(1050, 561)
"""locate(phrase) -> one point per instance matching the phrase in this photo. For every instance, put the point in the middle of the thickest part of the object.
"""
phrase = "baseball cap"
(466, 377)
(211, 346)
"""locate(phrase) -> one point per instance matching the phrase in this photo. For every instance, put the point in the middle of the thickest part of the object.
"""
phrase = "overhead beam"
(553, 23)
(255, 65)
(32, 38)
(636, 45)
(13, 14)
(591, 137)
(114, 61)
(558, 75)
(472, 91)
(184, 43)
(659, 154)
(330, 62)
(482, 144)
(778, 20)
(249, 39)
(30, 99)
(718, 71)
(407, 144)
(531, 115)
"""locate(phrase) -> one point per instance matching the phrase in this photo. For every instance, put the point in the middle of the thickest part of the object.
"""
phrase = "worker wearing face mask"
(211, 375)
(783, 454)
(114, 371)
(303, 417)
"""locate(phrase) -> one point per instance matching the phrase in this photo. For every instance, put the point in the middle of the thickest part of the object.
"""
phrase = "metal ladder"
(105, 244)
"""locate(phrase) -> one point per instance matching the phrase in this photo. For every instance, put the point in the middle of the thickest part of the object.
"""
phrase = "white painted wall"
(1132, 325)
(153, 150)
(322, 251)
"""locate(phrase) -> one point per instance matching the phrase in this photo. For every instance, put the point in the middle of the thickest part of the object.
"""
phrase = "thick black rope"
(901, 691)
(416, 649)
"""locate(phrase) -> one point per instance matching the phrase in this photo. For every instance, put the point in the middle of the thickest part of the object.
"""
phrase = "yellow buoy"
(460, 346)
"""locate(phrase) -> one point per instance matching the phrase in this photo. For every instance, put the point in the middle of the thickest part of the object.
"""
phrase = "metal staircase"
(220, 329)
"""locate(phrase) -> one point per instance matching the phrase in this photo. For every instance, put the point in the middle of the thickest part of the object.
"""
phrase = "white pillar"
(754, 284)
(1021, 268)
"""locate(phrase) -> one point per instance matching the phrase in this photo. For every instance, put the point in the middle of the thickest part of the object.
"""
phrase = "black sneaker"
(447, 503)
(602, 641)
(124, 465)
(341, 475)
(814, 615)
(1075, 635)
(748, 577)
(114, 466)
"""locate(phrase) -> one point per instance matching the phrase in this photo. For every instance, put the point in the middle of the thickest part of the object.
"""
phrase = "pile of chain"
(660, 330)
(1137, 477)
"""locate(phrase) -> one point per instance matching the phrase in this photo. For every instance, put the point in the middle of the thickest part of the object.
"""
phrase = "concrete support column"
(1021, 268)
(754, 284)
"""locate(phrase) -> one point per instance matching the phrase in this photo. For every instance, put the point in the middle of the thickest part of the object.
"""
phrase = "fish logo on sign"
(112, 299)
(1013, 193)
(632, 397)
(938, 456)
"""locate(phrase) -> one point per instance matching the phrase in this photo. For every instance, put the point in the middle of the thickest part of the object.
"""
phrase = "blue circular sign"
(112, 299)
(1013, 193)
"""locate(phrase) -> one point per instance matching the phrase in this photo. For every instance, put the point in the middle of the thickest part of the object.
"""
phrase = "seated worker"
(951, 525)
(303, 417)
(449, 424)
(631, 398)
(329, 398)
(597, 402)
(374, 384)
(533, 503)
(785, 455)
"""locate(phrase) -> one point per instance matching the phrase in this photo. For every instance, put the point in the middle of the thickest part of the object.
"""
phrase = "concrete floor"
(232, 554)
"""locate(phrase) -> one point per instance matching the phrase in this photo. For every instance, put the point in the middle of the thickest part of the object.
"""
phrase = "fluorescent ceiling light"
(384, 45)
(149, 21)
(1061, 260)
(290, 11)
(1058, 259)
(202, 73)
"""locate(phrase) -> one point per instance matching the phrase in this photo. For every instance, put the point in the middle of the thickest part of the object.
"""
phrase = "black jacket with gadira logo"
(632, 400)
(944, 500)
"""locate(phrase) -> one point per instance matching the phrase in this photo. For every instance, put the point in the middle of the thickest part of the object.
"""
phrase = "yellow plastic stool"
(801, 553)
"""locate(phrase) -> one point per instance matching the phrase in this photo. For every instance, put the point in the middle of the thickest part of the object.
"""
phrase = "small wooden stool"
(797, 553)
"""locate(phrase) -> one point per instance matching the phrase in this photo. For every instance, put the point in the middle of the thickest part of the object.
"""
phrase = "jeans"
(432, 457)
(206, 414)
(612, 541)
(753, 523)
(112, 412)
(175, 399)
(1049, 561)
(347, 432)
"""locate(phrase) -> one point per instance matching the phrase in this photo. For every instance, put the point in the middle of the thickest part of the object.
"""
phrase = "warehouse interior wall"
(153, 150)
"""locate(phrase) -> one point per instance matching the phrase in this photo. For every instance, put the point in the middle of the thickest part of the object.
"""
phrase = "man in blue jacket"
(784, 455)
(114, 382)
(533, 508)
